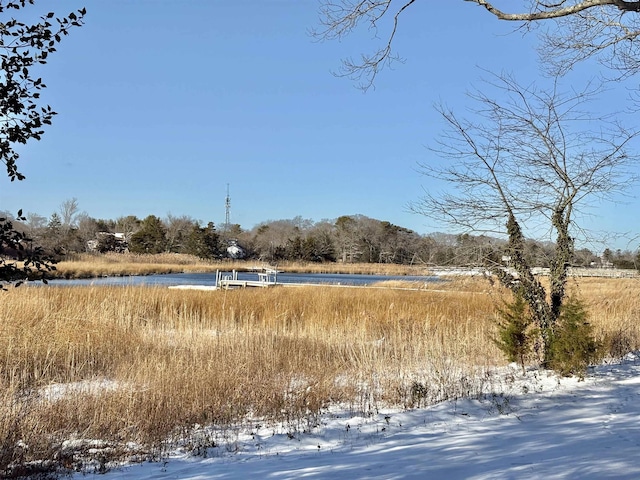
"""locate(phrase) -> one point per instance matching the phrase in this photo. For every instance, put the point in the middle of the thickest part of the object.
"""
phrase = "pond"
(209, 279)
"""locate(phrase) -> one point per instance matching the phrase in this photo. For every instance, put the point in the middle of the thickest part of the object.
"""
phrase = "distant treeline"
(347, 239)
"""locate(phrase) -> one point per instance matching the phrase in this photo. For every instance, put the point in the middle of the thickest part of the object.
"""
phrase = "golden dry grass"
(353, 268)
(614, 310)
(94, 266)
(110, 264)
(177, 358)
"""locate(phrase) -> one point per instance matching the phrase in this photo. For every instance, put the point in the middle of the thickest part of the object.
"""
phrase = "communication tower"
(227, 210)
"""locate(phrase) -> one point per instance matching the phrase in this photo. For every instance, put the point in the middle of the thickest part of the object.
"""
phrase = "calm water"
(209, 279)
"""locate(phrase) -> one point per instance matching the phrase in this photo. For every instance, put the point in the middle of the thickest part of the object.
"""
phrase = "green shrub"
(515, 335)
(572, 345)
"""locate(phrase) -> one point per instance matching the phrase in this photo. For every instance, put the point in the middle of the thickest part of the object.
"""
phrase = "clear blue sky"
(163, 103)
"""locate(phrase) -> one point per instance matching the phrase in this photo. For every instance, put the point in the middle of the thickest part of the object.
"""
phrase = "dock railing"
(226, 280)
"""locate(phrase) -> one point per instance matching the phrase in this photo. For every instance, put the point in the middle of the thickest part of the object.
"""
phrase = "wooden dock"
(228, 281)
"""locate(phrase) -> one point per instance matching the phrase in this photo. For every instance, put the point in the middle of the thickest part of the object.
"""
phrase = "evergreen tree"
(572, 344)
(151, 238)
(515, 336)
(55, 224)
(203, 242)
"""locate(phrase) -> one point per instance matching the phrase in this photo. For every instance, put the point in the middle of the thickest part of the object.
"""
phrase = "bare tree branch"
(339, 18)
(543, 11)
(527, 157)
(577, 30)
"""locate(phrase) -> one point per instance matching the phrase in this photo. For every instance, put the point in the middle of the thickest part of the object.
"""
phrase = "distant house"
(603, 263)
(235, 251)
(108, 242)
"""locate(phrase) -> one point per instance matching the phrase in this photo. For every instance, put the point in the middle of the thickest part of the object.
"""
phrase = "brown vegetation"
(143, 364)
(117, 264)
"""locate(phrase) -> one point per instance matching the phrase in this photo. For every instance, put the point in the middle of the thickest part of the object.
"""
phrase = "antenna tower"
(227, 210)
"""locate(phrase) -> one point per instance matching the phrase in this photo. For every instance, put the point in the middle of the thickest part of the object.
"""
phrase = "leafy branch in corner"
(22, 47)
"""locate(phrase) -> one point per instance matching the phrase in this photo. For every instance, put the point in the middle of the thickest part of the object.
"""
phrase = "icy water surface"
(209, 279)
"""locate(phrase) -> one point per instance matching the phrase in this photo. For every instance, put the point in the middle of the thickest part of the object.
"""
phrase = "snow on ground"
(537, 427)
(56, 391)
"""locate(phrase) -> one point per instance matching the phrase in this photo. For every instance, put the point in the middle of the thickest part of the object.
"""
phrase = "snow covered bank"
(537, 427)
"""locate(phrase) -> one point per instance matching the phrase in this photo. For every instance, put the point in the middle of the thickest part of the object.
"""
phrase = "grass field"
(141, 365)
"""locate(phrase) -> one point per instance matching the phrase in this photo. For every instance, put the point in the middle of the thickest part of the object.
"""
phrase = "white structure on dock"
(226, 281)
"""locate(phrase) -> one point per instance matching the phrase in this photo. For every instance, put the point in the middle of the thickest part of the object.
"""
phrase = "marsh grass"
(613, 310)
(153, 363)
(112, 264)
(354, 268)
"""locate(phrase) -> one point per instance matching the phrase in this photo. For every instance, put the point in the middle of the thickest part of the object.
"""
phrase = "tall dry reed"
(143, 364)
(614, 311)
(112, 264)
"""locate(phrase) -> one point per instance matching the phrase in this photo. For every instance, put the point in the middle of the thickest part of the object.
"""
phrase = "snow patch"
(58, 391)
(536, 426)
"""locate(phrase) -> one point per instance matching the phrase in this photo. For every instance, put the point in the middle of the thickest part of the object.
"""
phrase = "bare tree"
(127, 225)
(178, 229)
(348, 234)
(605, 29)
(36, 222)
(528, 164)
(68, 211)
(87, 228)
(270, 238)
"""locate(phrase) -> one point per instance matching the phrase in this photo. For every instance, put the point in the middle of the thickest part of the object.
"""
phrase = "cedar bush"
(515, 335)
(572, 344)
